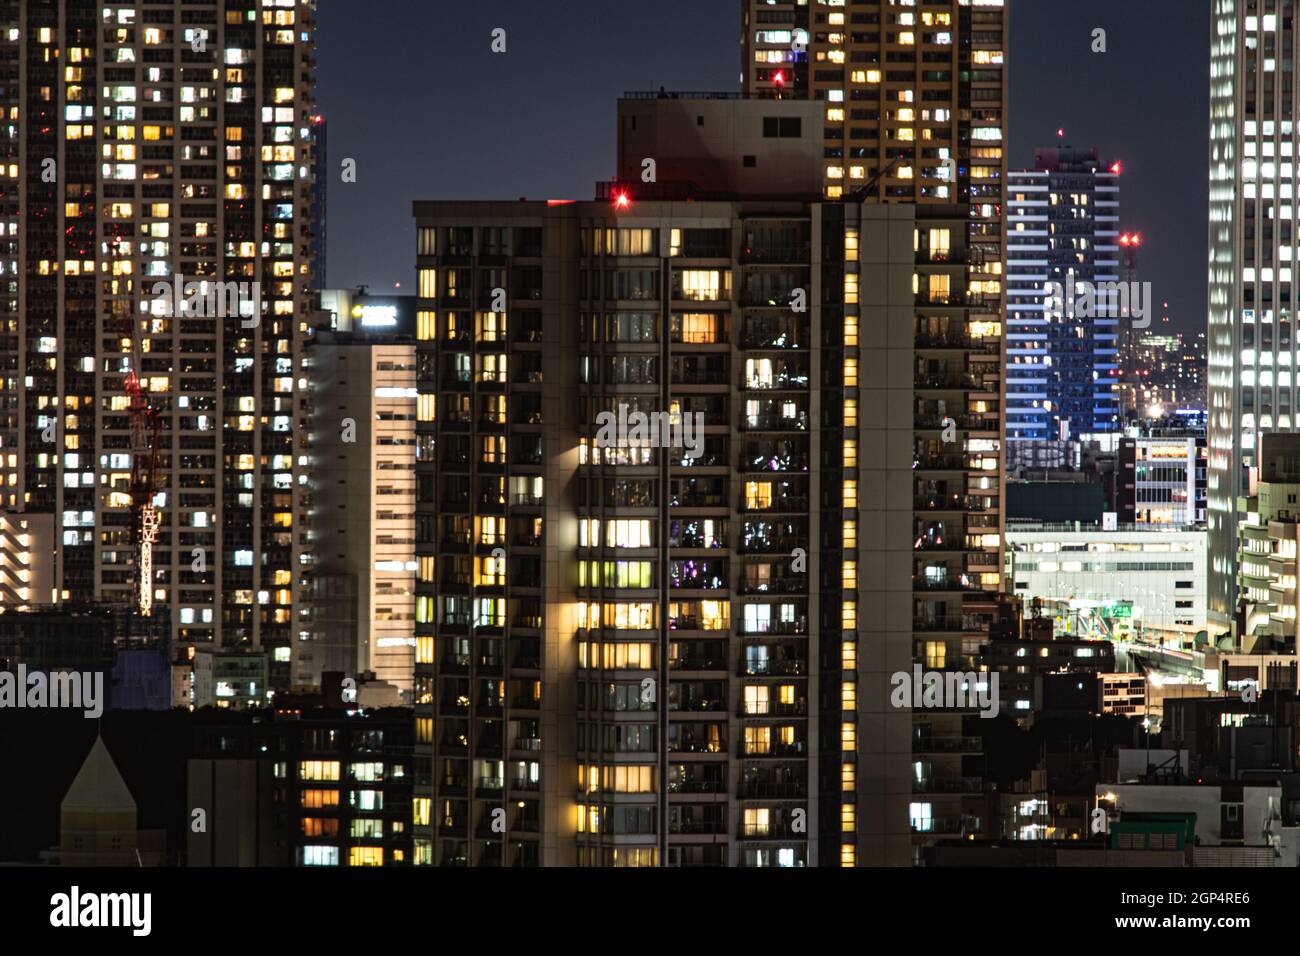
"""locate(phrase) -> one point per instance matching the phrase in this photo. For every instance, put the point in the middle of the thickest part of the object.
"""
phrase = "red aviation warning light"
(622, 200)
(1116, 168)
(779, 78)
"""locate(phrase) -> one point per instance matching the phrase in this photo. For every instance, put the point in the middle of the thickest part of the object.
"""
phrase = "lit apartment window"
(428, 283)
(849, 655)
(318, 770)
(366, 856)
(758, 495)
(850, 245)
(849, 615)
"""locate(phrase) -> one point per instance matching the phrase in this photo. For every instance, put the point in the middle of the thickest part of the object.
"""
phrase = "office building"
(1161, 476)
(1251, 268)
(1159, 570)
(1062, 334)
(143, 145)
(1268, 526)
(1165, 373)
(360, 560)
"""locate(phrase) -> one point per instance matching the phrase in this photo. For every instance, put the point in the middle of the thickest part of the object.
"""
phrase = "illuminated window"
(428, 283)
(758, 494)
(426, 326)
(424, 650)
(318, 770)
(849, 655)
(849, 615)
(848, 816)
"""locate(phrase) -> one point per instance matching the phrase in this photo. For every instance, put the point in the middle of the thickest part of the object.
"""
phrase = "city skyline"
(754, 434)
(1054, 83)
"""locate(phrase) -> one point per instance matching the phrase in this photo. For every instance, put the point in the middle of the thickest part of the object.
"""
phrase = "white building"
(362, 540)
(27, 553)
(1160, 570)
(1236, 825)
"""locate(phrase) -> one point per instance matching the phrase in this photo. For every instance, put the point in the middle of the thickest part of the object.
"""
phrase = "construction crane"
(145, 424)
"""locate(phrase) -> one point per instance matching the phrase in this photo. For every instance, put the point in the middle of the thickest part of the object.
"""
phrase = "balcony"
(782, 504)
(949, 623)
(777, 253)
(780, 584)
(772, 422)
(772, 790)
(965, 422)
(772, 668)
(697, 664)
(771, 708)
(950, 785)
(947, 745)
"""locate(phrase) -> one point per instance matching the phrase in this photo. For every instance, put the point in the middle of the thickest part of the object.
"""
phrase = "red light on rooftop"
(1125, 239)
(1116, 169)
(1060, 133)
(1137, 238)
(779, 77)
(622, 200)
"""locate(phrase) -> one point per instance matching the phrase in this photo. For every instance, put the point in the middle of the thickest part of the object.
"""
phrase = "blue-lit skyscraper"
(1062, 354)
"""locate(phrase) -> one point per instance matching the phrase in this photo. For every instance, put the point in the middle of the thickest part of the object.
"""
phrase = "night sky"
(414, 94)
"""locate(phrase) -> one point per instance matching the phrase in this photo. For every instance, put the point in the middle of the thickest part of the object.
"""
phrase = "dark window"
(751, 162)
(785, 127)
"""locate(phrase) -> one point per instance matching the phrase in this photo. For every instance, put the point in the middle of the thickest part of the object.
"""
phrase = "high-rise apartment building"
(360, 561)
(650, 653)
(914, 111)
(914, 99)
(1062, 330)
(151, 155)
(1252, 282)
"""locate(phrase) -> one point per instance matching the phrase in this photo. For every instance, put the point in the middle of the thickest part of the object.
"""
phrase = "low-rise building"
(1159, 571)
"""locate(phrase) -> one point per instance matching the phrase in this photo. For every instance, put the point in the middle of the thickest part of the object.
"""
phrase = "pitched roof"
(98, 785)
